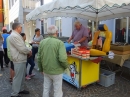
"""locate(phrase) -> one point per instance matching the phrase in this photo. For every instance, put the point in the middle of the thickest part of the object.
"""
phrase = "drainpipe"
(42, 23)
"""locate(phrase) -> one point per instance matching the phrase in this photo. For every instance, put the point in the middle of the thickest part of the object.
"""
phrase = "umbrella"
(95, 10)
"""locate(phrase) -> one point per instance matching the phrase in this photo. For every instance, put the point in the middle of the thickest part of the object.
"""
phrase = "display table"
(81, 72)
(118, 59)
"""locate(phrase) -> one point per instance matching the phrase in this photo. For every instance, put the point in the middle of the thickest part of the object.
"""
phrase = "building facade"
(1, 15)
(18, 9)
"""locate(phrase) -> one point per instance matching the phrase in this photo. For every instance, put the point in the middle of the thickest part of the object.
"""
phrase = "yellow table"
(81, 72)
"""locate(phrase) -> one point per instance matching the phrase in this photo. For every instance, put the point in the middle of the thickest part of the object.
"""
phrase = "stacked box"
(81, 53)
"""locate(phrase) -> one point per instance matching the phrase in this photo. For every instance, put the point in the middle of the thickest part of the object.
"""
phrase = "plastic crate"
(107, 78)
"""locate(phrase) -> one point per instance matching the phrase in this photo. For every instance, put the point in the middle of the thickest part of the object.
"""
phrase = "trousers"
(6, 59)
(19, 78)
(56, 81)
(1, 58)
(31, 62)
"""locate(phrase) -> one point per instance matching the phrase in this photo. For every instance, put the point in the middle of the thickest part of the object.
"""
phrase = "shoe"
(15, 96)
(32, 75)
(10, 79)
(28, 77)
(2, 69)
(6, 65)
(24, 92)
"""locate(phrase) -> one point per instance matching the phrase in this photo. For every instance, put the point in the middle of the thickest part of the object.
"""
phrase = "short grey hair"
(15, 25)
(52, 29)
(77, 23)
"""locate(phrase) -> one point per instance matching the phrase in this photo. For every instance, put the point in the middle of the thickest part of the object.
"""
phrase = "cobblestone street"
(35, 86)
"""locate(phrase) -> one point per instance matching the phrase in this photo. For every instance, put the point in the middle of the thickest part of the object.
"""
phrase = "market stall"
(84, 63)
(84, 70)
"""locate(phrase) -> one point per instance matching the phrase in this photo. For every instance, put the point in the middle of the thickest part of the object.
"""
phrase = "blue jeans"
(34, 51)
(31, 62)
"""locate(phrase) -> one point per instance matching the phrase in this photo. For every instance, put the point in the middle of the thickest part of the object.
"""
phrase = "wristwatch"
(78, 41)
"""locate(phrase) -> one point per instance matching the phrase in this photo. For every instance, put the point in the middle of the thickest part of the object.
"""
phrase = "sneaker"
(32, 75)
(28, 77)
(10, 79)
(24, 92)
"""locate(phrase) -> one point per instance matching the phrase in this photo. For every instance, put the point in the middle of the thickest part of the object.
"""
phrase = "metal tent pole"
(127, 27)
(96, 21)
(42, 22)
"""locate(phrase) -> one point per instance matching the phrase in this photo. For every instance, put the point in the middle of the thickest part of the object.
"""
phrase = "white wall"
(111, 26)
(14, 12)
(67, 27)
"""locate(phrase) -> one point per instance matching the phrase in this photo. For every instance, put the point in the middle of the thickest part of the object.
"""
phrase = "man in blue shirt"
(5, 35)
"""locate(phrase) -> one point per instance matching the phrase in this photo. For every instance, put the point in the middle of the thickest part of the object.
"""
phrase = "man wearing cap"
(5, 35)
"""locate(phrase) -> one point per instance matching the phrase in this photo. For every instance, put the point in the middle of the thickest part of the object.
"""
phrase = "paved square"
(121, 88)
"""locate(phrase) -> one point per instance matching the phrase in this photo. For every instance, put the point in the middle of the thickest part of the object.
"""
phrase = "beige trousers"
(56, 81)
(19, 78)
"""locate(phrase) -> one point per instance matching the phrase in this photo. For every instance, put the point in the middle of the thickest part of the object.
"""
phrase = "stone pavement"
(35, 86)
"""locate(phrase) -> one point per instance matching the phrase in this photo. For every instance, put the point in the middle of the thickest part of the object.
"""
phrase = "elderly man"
(52, 60)
(79, 35)
(18, 54)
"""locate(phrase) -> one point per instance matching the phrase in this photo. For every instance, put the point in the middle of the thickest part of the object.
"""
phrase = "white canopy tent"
(95, 10)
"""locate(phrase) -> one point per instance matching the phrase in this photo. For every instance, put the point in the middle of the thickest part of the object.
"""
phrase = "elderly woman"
(36, 40)
(1, 51)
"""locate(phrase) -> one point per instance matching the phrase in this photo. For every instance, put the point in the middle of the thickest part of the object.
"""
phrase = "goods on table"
(121, 50)
(80, 52)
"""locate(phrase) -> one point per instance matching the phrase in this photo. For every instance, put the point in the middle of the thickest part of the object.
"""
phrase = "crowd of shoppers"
(52, 58)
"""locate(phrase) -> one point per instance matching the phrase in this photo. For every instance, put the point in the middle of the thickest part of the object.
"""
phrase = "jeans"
(31, 62)
(56, 81)
(1, 58)
(34, 51)
(19, 78)
(6, 59)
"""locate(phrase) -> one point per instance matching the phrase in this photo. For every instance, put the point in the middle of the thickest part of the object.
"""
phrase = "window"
(120, 30)
(58, 23)
(12, 2)
(129, 31)
(9, 4)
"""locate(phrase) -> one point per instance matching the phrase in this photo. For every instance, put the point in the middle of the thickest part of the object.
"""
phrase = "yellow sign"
(1, 10)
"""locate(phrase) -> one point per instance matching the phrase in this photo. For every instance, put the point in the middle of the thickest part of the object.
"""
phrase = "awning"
(86, 9)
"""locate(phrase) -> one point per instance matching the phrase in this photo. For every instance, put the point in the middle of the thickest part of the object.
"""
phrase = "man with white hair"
(18, 54)
(80, 34)
(52, 60)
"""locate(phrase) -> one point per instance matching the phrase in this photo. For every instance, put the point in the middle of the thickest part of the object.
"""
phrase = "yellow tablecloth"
(118, 59)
